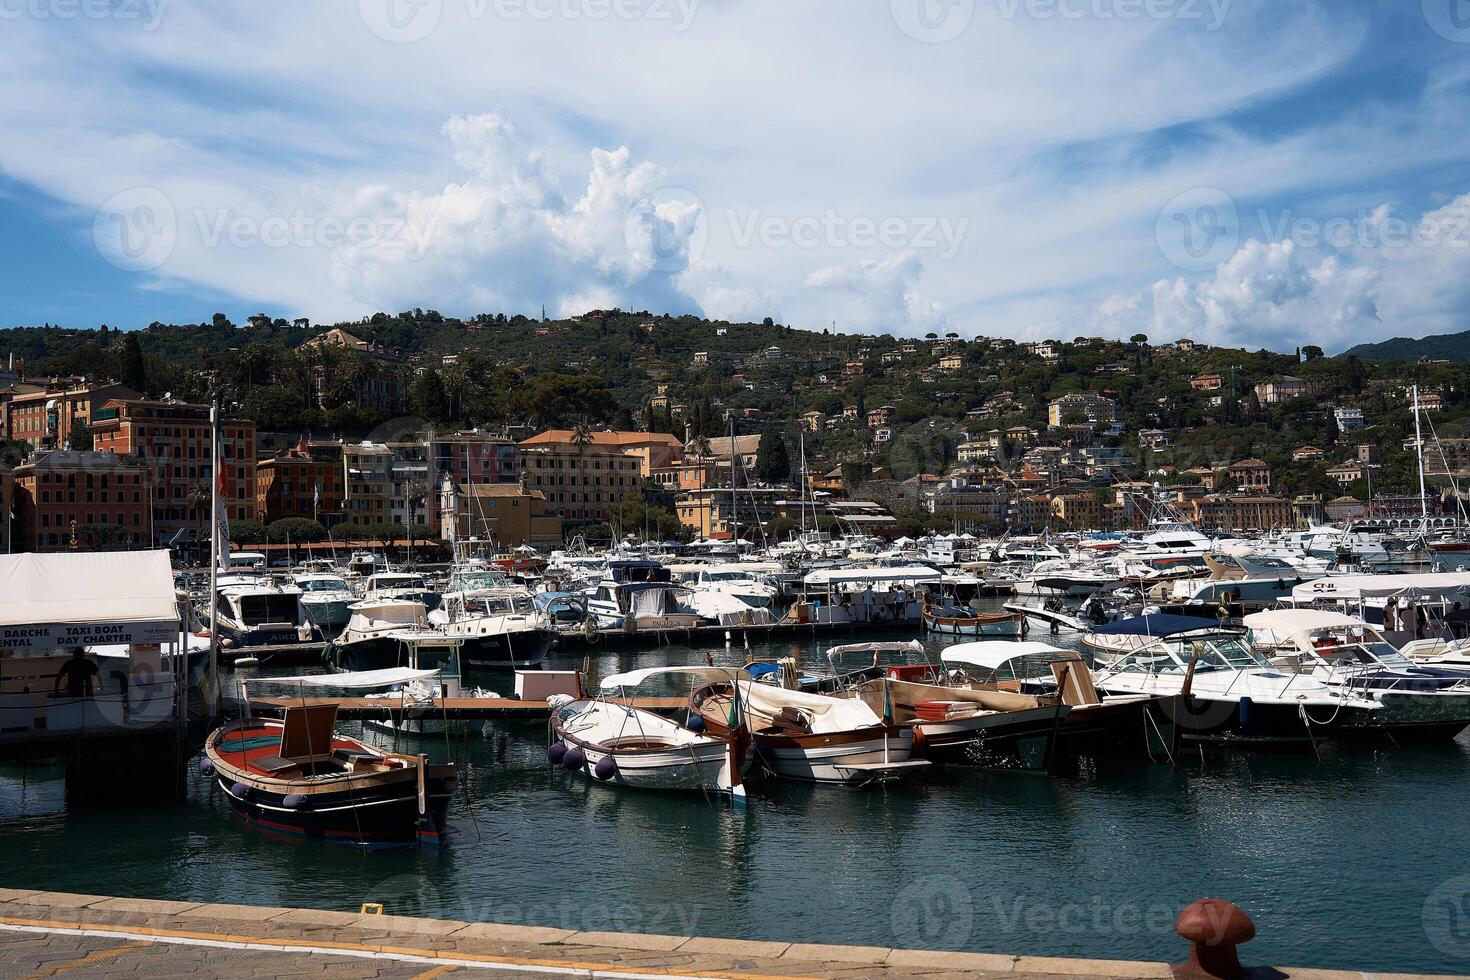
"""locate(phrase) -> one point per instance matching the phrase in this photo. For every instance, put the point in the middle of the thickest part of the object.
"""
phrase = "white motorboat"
(1351, 656)
(501, 628)
(610, 741)
(636, 595)
(812, 737)
(324, 599)
(1234, 695)
(384, 633)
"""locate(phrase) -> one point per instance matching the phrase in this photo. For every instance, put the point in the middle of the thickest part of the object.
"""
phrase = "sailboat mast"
(801, 503)
(734, 493)
(1419, 447)
(215, 546)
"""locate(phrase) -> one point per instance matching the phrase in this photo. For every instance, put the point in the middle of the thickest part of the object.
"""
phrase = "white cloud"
(555, 177)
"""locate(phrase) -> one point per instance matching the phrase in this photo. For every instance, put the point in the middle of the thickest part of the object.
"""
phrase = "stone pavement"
(44, 934)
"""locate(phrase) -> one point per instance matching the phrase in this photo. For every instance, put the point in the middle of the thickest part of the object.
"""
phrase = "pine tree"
(133, 370)
(772, 464)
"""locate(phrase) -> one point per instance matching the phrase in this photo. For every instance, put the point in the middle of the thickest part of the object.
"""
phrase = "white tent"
(48, 601)
(1380, 586)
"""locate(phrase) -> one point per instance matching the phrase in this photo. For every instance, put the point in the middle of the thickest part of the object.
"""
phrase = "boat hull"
(520, 650)
(1246, 723)
(362, 818)
(1005, 624)
(1022, 739)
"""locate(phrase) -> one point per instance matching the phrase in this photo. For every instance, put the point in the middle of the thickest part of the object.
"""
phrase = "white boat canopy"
(1289, 622)
(993, 654)
(633, 678)
(889, 646)
(352, 680)
(66, 600)
(889, 575)
(1378, 586)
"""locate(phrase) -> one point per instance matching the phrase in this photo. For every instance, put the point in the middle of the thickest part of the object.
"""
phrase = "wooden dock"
(454, 709)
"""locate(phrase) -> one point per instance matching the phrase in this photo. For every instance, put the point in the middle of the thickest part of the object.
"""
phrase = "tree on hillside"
(772, 463)
(133, 371)
(428, 399)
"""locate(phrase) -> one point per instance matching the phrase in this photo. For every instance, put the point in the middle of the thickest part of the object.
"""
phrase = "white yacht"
(324, 599)
(499, 628)
(1234, 695)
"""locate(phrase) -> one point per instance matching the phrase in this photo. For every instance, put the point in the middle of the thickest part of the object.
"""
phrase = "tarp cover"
(1158, 624)
(1377, 586)
(91, 589)
(352, 680)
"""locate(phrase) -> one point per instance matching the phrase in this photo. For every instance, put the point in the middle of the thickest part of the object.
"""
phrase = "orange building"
(307, 481)
(174, 438)
(101, 499)
(44, 416)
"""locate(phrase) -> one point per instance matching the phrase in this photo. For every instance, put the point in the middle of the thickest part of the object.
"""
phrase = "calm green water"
(1357, 861)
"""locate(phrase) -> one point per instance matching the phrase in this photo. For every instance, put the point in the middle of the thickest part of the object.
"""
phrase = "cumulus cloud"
(1338, 282)
(877, 295)
(568, 194)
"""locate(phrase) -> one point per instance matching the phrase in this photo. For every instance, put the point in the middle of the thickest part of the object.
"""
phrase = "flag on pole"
(222, 492)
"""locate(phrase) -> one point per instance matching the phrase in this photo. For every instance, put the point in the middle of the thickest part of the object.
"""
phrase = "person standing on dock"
(81, 675)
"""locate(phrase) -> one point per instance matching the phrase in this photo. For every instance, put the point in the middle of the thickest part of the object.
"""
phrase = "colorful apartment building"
(44, 414)
(67, 500)
(174, 439)
(306, 481)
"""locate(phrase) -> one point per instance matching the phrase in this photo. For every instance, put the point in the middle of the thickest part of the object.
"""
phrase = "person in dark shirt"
(80, 674)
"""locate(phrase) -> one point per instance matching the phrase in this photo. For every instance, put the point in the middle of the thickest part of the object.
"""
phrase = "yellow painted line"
(90, 958)
(438, 971)
(448, 959)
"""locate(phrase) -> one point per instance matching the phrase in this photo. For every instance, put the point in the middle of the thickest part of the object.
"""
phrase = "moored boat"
(299, 776)
(965, 622)
(611, 741)
(812, 737)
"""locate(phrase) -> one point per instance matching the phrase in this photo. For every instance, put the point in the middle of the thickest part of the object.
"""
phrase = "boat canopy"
(890, 646)
(1378, 586)
(1290, 622)
(993, 654)
(353, 680)
(1156, 624)
(65, 600)
(633, 678)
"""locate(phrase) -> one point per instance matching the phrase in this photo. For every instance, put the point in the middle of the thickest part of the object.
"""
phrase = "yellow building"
(506, 514)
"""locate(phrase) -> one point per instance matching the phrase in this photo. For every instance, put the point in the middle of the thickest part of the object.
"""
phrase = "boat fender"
(240, 791)
(1245, 712)
(695, 722)
(295, 801)
(555, 753)
(205, 767)
(574, 759)
(606, 768)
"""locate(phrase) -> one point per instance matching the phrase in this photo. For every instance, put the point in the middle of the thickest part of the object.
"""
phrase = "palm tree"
(200, 499)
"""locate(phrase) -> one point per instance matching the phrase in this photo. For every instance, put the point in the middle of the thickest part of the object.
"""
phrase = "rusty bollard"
(1214, 927)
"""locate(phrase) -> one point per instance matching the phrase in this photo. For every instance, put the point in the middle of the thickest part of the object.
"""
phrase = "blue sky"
(1246, 172)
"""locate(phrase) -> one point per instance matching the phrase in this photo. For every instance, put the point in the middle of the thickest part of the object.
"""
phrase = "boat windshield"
(1172, 656)
(1367, 654)
(479, 579)
(398, 581)
(497, 605)
(323, 585)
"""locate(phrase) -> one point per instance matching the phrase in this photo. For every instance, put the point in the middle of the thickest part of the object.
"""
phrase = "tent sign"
(51, 636)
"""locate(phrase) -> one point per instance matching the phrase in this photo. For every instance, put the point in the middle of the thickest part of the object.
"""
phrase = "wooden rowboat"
(957, 622)
(298, 776)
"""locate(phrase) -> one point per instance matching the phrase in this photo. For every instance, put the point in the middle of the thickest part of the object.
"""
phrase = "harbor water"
(1094, 861)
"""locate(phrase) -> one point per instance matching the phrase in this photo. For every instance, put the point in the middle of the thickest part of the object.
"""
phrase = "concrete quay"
(45, 934)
